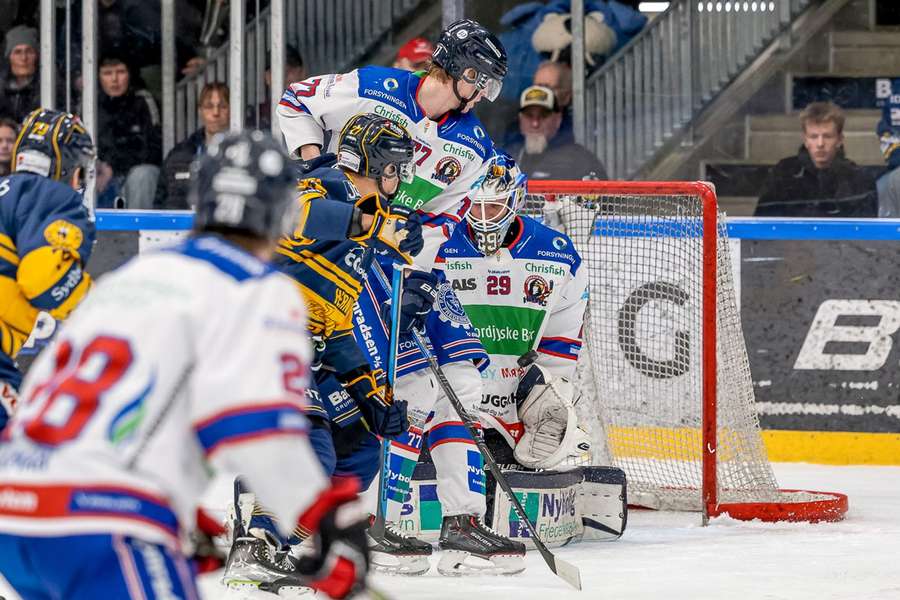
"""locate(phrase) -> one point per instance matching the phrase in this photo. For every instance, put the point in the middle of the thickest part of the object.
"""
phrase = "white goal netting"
(641, 371)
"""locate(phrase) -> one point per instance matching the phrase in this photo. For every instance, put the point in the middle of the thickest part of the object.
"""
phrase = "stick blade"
(567, 572)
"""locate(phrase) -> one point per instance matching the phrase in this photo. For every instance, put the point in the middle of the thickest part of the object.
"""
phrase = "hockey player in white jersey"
(452, 150)
(522, 285)
(185, 362)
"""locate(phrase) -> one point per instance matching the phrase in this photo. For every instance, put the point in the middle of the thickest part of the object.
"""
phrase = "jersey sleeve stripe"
(562, 347)
(61, 501)
(250, 422)
(566, 355)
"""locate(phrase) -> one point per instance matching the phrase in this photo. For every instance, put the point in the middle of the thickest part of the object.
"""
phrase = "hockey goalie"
(521, 285)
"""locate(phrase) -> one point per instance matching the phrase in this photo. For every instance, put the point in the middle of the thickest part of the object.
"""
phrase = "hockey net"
(664, 378)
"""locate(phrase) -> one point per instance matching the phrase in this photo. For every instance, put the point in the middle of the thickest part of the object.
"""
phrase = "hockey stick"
(564, 570)
(383, 475)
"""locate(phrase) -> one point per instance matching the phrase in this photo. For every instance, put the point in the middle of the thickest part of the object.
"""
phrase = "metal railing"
(331, 35)
(656, 85)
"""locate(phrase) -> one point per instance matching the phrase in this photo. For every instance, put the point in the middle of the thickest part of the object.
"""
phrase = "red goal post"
(680, 420)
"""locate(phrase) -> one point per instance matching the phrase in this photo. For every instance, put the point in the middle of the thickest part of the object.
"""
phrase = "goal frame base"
(829, 510)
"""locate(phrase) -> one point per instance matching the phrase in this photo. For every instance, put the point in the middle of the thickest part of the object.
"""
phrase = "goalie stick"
(564, 570)
(396, 290)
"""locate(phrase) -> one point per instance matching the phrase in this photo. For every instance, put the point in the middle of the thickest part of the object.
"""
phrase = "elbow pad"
(53, 279)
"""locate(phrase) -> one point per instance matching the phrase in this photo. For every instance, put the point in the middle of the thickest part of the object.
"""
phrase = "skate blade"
(456, 563)
(392, 565)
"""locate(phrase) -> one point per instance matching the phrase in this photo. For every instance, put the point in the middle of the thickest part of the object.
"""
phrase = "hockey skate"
(469, 547)
(398, 554)
(256, 561)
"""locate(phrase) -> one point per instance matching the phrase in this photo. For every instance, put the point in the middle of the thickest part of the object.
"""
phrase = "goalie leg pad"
(585, 503)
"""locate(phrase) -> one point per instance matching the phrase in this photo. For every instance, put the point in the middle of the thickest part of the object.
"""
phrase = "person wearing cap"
(19, 89)
(544, 153)
(414, 55)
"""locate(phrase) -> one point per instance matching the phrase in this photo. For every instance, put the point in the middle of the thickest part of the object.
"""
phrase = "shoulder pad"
(467, 130)
(387, 85)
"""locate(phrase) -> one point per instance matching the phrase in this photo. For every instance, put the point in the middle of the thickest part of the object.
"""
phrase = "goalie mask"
(496, 199)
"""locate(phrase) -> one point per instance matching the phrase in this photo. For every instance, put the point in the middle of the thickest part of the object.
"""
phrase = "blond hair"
(822, 112)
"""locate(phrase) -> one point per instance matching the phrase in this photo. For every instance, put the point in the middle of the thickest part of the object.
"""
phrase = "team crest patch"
(449, 307)
(63, 235)
(447, 170)
(537, 290)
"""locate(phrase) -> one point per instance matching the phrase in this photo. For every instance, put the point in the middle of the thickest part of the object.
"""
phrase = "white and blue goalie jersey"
(530, 295)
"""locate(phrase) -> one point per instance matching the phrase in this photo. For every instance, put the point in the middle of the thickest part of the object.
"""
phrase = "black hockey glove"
(385, 416)
(420, 290)
(413, 243)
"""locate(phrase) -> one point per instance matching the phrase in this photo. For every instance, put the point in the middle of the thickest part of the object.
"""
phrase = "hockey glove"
(413, 243)
(385, 416)
(339, 569)
(391, 232)
(420, 290)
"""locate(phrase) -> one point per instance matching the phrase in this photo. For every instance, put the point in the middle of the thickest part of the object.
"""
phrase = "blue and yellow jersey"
(329, 267)
(46, 239)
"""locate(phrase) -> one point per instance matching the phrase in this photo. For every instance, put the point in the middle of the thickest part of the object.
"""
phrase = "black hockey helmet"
(374, 146)
(466, 44)
(244, 185)
(53, 144)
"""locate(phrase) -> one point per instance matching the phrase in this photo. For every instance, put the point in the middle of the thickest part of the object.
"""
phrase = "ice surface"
(666, 555)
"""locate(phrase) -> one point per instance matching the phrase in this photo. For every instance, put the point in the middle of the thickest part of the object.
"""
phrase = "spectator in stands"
(294, 71)
(8, 131)
(544, 154)
(19, 85)
(558, 77)
(819, 181)
(414, 55)
(128, 137)
(175, 179)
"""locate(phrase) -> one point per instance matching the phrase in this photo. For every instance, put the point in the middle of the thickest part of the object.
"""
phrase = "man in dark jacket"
(175, 178)
(820, 181)
(546, 153)
(20, 87)
(128, 134)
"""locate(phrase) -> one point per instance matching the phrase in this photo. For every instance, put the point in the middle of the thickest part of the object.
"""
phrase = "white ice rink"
(670, 556)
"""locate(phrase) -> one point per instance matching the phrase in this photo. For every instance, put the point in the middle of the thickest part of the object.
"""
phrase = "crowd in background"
(532, 120)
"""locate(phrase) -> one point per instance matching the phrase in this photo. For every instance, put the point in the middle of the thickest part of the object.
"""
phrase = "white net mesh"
(640, 374)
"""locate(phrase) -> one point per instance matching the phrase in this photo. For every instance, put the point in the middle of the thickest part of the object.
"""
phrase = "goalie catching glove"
(552, 438)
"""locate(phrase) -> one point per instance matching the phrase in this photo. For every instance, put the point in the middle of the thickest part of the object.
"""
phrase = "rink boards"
(820, 306)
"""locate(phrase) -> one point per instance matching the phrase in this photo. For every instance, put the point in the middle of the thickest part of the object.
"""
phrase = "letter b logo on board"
(872, 340)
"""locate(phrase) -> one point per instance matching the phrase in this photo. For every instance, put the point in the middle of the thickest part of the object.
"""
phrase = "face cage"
(489, 234)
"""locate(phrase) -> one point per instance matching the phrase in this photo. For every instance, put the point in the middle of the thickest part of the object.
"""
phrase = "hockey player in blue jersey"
(46, 235)
(346, 217)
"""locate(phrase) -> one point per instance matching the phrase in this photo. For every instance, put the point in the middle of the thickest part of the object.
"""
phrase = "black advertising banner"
(821, 321)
